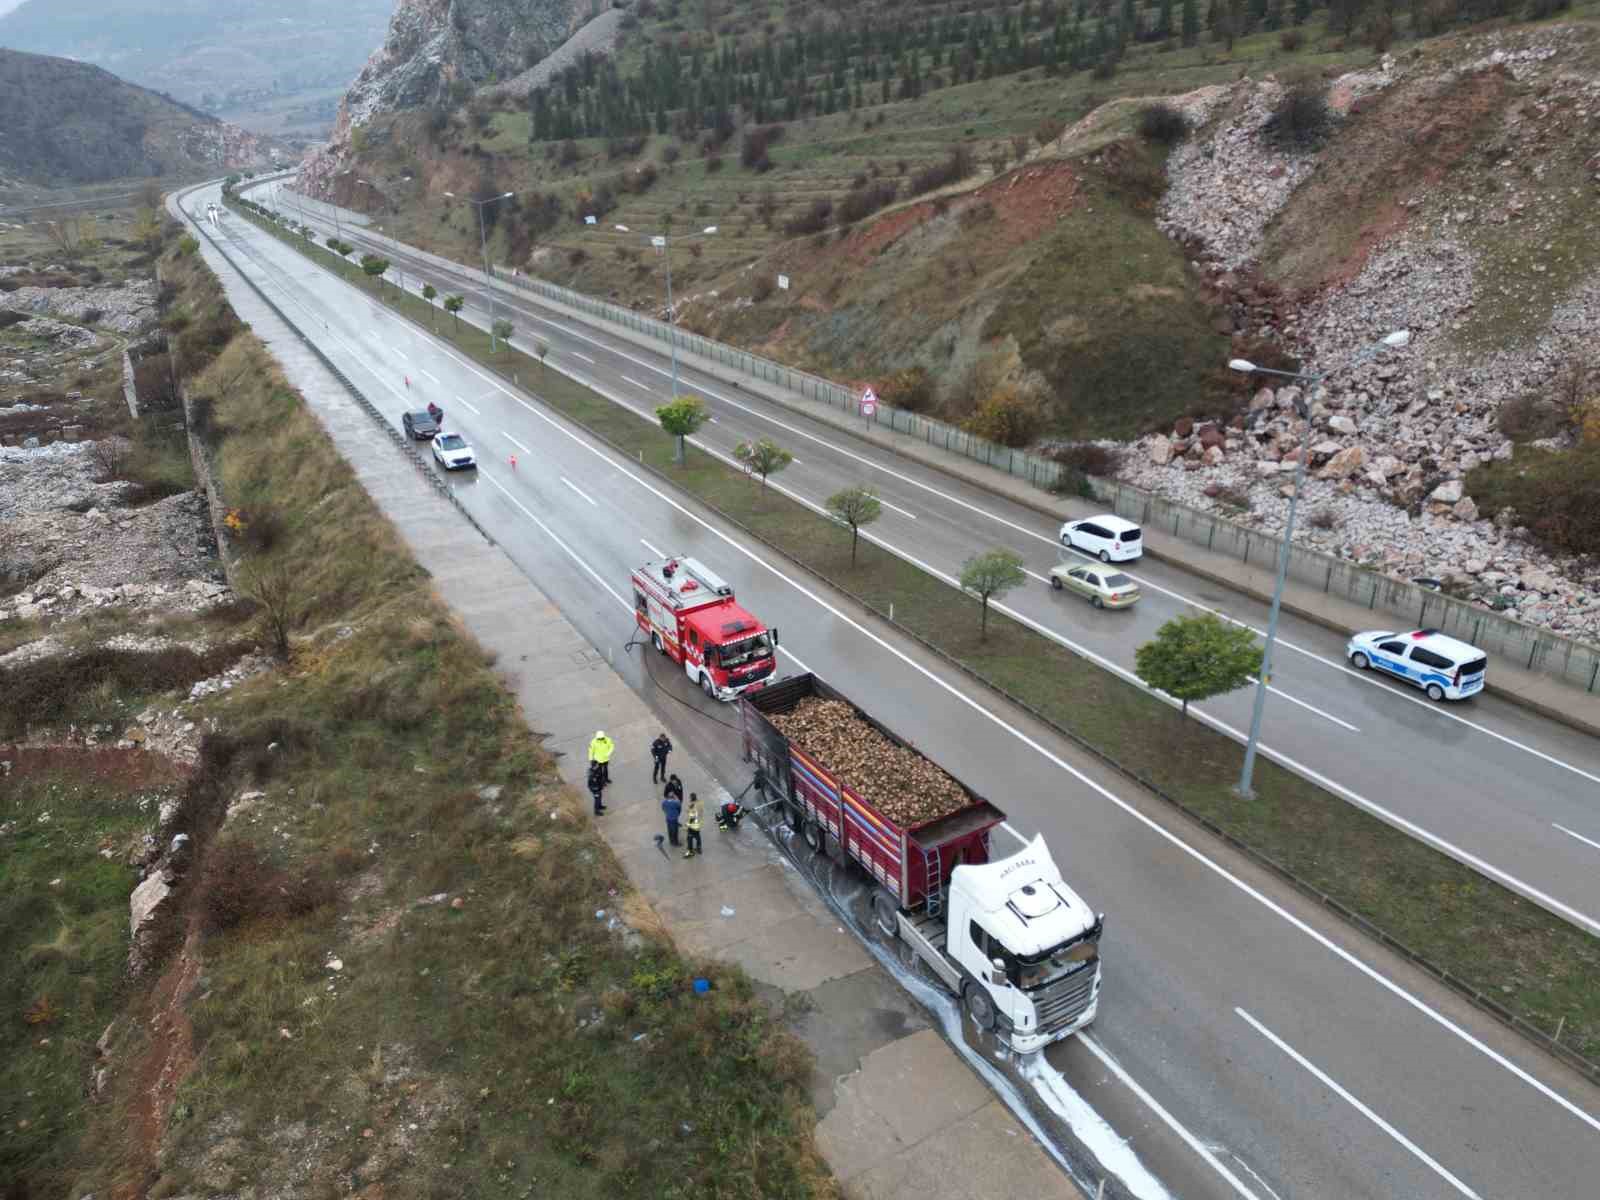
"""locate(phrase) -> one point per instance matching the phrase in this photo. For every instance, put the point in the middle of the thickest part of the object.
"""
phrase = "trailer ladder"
(933, 883)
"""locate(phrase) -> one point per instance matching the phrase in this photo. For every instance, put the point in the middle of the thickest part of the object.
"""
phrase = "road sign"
(869, 402)
(783, 282)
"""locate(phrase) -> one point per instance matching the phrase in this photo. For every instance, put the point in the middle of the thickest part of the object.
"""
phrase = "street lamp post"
(661, 242)
(483, 243)
(1310, 382)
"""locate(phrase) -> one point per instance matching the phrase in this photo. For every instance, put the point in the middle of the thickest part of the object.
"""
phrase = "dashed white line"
(902, 511)
(1343, 1094)
(516, 443)
(428, 373)
(400, 352)
(1167, 1119)
(1579, 836)
(652, 549)
(468, 406)
(581, 357)
(643, 386)
(577, 489)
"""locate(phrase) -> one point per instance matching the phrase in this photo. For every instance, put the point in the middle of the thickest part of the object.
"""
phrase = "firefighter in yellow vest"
(600, 749)
(691, 822)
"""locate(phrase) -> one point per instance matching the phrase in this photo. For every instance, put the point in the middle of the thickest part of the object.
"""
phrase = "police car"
(1441, 666)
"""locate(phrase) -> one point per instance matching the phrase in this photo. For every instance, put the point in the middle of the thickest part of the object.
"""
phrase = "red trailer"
(912, 862)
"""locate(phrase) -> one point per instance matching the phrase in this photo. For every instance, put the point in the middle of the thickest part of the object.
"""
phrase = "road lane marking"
(652, 549)
(400, 352)
(643, 386)
(583, 357)
(554, 537)
(470, 408)
(1172, 839)
(428, 373)
(1579, 836)
(516, 443)
(903, 512)
(1308, 707)
(577, 489)
(1167, 1119)
(1331, 1084)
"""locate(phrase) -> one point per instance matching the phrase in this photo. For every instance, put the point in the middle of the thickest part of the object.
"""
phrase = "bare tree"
(276, 588)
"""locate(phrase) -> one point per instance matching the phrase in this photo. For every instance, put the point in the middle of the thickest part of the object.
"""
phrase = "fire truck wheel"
(655, 640)
(885, 914)
(979, 1006)
(813, 835)
(706, 686)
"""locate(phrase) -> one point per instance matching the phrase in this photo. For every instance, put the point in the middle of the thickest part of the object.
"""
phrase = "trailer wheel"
(812, 832)
(886, 914)
(979, 1006)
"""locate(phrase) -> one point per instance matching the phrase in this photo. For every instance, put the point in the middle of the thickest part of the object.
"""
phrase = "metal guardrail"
(403, 443)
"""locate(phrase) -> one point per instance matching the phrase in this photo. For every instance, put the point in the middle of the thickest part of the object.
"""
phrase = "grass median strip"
(1512, 952)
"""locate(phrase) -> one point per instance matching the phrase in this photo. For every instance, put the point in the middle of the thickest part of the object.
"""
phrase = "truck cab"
(1027, 948)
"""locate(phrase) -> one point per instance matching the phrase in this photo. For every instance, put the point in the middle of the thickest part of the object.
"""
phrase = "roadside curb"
(1588, 1068)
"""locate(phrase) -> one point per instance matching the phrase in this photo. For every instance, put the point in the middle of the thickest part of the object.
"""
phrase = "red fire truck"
(692, 618)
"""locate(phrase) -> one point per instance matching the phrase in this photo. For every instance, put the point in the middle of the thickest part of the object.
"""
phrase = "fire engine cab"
(692, 618)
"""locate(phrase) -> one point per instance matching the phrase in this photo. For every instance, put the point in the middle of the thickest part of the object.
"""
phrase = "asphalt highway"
(1511, 793)
(1248, 1044)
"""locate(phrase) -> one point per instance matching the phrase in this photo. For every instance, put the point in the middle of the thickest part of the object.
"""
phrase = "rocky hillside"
(64, 122)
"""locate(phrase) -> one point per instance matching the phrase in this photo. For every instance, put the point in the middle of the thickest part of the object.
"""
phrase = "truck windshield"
(737, 654)
(1040, 970)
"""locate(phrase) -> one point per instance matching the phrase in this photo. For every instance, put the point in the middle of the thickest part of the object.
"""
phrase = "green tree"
(541, 348)
(453, 305)
(373, 267)
(429, 293)
(503, 329)
(764, 457)
(681, 418)
(1164, 20)
(855, 506)
(1196, 656)
(1191, 22)
(992, 573)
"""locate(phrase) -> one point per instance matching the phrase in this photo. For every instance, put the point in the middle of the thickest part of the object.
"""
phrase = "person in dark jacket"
(672, 808)
(659, 749)
(597, 788)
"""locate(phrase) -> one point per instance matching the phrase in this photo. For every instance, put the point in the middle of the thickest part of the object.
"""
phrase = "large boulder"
(1160, 450)
(1342, 424)
(1344, 464)
(1448, 492)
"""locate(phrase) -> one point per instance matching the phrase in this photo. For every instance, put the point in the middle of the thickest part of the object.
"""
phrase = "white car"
(1441, 666)
(1108, 538)
(452, 452)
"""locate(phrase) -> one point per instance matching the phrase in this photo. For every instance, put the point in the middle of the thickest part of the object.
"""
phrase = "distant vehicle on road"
(1108, 538)
(1100, 587)
(452, 452)
(1441, 666)
(419, 425)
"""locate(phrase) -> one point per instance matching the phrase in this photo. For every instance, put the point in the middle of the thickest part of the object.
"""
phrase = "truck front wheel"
(886, 914)
(979, 1006)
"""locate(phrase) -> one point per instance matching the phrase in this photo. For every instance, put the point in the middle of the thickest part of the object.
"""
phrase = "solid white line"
(470, 408)
(1050, 756)
(516, 443)
(575, 488)
(1361, 1108)
(583, 357)
(1167, 1119)
(1307, 707)
(636, 383)
(428, 373)
(1579, 836)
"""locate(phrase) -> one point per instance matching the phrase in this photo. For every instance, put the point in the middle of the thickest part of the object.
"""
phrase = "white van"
(1108, 538)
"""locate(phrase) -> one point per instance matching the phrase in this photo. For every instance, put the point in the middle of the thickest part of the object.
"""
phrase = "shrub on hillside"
(623, 147)
(910, 388)
(1008, 415)
(763, 287)
(1103, 462)
(1049, 130)
(239, 884)
(1291, 40)
(1161, 122)
(758, 139)
(1300, 118)
(958, 164)
(865, 200)
(1555, 493)
(813, 220)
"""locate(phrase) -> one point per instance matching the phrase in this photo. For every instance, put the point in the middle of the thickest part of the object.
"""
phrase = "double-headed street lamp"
(1309, 381)
(483, 242)
(662, 243)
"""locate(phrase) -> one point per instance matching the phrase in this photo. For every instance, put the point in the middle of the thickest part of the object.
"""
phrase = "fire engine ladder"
(934, 885)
